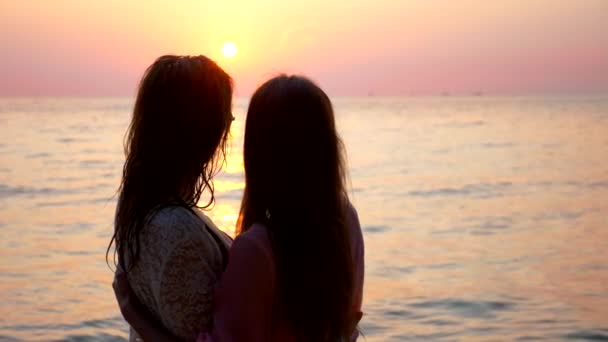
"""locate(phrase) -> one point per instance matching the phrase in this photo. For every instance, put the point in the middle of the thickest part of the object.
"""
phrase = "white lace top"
(180, 263)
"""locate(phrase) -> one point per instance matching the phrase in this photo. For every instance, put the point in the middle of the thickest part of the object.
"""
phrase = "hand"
(124, 294)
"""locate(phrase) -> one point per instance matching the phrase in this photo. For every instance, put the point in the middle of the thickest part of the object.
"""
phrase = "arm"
(358, 250)
(181, 275)
(134, 313)
(244, 297)
(184, 300)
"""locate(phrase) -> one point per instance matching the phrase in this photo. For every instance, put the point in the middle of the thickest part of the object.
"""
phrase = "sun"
(229, 49)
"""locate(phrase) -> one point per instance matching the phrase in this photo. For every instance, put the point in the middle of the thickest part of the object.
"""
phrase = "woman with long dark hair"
(295, 270)
(298, 259)
(172, 254)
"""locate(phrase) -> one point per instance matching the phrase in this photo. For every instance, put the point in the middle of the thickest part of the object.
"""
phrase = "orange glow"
(396, 47)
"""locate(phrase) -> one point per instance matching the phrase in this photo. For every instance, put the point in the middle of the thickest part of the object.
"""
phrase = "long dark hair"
(174, 146)
(294, 184)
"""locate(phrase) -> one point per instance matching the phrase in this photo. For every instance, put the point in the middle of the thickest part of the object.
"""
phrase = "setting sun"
(229, 49)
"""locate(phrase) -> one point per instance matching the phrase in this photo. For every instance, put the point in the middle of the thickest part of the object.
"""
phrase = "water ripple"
(38, 155)
(602, 184)
(587, 335)
(481, 190)
(96, 337)
(71, 140)
(114, 322)
(376, 229)
(9, 191)
(466, 308)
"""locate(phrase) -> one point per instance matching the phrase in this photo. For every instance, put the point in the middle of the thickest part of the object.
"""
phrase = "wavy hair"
(174, 146)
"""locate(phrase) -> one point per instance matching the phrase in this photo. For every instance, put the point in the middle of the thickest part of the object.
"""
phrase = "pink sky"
(388, 47)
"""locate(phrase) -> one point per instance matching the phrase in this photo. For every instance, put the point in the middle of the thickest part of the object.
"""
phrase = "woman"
(172, 254)
(298, 261)
(295, 271)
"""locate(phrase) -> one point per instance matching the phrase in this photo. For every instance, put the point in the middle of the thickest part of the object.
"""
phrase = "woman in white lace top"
(172, 253)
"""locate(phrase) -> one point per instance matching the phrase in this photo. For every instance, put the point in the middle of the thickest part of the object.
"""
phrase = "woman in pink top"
(295, 271)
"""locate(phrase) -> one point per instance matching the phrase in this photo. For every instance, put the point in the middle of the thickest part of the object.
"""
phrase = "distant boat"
(478, 93)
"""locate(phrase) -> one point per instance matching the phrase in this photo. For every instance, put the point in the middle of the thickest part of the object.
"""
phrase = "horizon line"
(445, 95)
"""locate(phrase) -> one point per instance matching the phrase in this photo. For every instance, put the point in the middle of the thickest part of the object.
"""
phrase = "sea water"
(485, 219)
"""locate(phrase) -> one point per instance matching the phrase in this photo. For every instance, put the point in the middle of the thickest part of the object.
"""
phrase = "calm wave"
(484, 218)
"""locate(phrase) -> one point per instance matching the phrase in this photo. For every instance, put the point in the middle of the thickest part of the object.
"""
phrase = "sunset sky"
(385, 47)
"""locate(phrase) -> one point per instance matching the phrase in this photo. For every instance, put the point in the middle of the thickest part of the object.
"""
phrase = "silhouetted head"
(295, 186)
(175, 143)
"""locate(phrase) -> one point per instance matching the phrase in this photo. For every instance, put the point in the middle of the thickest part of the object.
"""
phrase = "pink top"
(245, 293)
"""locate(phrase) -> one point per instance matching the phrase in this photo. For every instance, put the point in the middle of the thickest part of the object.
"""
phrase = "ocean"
(485, 219)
